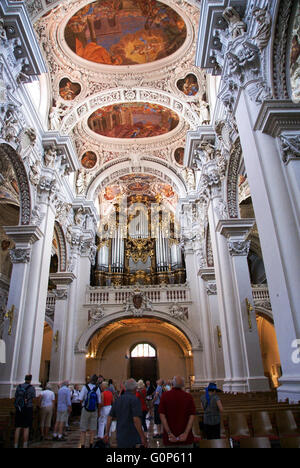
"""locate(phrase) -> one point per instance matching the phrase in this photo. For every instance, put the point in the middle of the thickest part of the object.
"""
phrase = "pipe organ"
(139, 246)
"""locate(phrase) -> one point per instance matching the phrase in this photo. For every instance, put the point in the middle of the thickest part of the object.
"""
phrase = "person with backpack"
(213, 408)
(24, 396)
(90, 397)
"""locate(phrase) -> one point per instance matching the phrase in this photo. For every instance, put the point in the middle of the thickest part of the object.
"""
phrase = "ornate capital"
(211, 289)
(290, 146)
(239, 248)
(20, 255)
(47, 188)
(60, 294)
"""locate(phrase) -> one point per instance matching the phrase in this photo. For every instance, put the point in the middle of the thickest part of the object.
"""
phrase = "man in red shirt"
(177, 413)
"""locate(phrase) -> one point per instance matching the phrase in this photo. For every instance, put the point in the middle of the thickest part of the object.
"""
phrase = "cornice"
(277, 116)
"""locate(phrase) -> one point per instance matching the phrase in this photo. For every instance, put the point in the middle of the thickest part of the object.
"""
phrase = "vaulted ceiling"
(123, 82)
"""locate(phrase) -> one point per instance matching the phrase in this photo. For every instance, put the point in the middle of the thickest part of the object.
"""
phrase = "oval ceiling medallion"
(68, 90)
(125, 32)
(179, 156)
(133, 120)
(89, 160)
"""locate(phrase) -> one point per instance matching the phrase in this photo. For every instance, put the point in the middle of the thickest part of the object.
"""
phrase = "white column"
(15, 327)
(75, 369)
(232, 341)
(62, 280)
(195, 316)
(27, 346)
(236, 231)
(279, 236)
(208, 289)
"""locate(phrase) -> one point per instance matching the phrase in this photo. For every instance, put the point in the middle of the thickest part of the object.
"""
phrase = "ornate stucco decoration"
(138, 303)
(178, 312)
(239, 248)
(96, 314)
(20, 255)
(8, 153)
(290, 146)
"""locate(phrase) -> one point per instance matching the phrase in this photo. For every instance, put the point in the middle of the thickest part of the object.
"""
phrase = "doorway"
(143, 362)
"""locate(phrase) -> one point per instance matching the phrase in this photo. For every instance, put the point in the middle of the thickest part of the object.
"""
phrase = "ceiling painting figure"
(89, 160)
(189, 85)
(133, 120)
(179, 155)
(68, 90)
(125, 32)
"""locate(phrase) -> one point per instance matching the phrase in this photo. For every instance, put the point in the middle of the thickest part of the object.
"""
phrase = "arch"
(280, 49)
(127, 95)
(265, 313)
(115, 170)
(89, 332)
(62, 247)
(232, 180)
(7, 151)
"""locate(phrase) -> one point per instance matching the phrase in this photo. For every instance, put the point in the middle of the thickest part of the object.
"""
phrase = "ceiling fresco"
(125, 32)
(139, 186)
(133, 120)
(89, 160)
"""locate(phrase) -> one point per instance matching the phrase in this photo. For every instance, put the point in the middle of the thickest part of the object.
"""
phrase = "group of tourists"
(103, 410)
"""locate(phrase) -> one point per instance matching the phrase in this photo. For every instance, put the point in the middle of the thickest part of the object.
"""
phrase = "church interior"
(150, 201)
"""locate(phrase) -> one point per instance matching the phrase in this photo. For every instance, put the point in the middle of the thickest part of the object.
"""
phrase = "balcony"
(109, 295)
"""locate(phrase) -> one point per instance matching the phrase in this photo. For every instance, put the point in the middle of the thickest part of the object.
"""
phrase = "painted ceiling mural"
(68, 90)
(89, 160)
(136, 185)
(133, 120)
(125, 32)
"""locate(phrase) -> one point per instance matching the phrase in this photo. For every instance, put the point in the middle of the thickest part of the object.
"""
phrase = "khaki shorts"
(88, 420)
(46, 416)
(62, 416)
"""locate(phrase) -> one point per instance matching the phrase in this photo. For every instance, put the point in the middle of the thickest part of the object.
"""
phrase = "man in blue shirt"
(64, 408)
(127, 410)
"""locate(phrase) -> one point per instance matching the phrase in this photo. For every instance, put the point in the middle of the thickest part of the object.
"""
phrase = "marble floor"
(72, 436)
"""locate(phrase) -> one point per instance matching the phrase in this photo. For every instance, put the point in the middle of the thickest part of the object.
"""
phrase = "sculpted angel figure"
(263, 32)
(237, 27)
(204, 153)
(50, 156)
(80, 182)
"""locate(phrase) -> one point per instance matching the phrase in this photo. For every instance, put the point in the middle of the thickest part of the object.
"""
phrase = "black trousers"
(212, 432)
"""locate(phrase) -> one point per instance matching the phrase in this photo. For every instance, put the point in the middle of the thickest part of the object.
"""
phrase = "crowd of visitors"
(102, 410)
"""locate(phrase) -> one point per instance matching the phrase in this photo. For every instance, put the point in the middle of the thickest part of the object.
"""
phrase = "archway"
(269, 347)
(110, 347)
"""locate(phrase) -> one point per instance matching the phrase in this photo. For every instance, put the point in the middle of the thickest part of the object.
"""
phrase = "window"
(143, 350)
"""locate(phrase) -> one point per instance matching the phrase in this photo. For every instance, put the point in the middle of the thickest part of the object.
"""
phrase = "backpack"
(91, 400)
(21, 397)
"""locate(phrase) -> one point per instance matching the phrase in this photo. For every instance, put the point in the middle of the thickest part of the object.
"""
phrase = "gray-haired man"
(127, 410)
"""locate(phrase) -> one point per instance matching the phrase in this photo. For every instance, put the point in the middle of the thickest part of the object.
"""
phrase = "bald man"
(177, 413)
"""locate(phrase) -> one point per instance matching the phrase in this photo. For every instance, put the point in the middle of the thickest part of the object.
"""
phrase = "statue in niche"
(237, 27)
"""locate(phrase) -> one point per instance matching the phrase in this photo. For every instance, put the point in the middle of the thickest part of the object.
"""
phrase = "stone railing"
(120, 295)
(261, 297)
